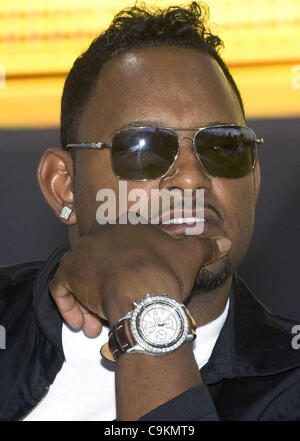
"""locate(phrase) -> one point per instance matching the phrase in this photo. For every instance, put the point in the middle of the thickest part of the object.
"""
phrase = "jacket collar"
(252, 341)
(48, 318)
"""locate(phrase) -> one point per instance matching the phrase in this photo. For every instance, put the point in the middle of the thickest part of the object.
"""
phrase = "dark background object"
(30, 230)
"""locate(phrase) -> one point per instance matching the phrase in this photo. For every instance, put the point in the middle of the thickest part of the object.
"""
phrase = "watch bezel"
(144, 345)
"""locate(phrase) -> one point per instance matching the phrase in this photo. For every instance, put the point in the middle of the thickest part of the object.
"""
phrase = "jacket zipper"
(31, 410)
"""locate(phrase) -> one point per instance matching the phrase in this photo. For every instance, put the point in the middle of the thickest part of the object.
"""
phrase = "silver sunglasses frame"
(101, 145)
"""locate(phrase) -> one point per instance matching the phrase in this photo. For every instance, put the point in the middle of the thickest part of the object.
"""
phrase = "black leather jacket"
(252, 374)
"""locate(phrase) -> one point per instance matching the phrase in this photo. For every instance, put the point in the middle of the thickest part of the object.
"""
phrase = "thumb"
(214, 248)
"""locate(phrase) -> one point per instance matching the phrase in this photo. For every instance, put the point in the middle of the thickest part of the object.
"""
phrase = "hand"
(114, 265)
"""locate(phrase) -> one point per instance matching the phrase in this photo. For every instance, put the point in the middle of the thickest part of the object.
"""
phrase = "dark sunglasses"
(146, 153)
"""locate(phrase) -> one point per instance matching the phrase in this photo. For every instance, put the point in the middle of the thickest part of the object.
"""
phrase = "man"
(150, 103)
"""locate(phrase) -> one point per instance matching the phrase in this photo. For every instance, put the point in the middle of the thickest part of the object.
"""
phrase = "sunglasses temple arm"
(89, 145)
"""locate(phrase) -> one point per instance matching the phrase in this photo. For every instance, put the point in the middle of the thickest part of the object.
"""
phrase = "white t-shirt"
(84, 388)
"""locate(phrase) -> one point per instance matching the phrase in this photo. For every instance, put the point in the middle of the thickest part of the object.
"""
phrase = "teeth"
(184, 220)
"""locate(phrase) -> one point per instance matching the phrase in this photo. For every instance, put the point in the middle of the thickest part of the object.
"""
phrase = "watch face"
(159, 324)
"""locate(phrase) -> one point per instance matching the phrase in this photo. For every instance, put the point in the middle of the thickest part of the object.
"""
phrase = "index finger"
(66, 302)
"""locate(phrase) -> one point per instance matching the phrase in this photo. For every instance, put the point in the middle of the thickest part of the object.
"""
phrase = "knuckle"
(209, 252)
(189, 240)
(179, 284)
(201, 249)
(64, 263)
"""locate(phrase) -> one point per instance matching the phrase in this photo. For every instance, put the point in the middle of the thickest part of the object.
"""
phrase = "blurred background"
(39, 41)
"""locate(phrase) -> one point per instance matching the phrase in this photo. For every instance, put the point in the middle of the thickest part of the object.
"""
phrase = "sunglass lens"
(143, 153)
(226, 152)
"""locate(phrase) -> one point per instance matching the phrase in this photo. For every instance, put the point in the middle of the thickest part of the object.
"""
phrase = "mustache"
(179, 207)
(156, 206)
(184, 203)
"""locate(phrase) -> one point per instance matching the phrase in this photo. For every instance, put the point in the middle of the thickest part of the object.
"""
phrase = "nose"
(187, 172)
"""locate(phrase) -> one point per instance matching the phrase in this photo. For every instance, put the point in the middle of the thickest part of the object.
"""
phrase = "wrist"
(117, 310)
(153, 381)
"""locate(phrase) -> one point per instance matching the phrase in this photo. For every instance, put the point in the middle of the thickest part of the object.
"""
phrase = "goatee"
(207, 281)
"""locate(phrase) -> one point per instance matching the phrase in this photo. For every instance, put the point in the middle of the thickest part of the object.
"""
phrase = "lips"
(184, 220)
(190, 223)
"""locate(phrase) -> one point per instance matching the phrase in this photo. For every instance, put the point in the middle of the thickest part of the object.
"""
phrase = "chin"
(212, 276)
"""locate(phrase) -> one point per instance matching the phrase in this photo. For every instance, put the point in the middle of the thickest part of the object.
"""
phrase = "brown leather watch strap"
(192, 323)
(120, 338)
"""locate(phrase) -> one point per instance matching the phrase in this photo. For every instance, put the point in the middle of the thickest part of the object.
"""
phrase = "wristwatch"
(157, 325)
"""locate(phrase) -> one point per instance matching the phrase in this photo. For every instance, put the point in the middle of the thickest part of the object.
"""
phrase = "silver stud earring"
(66, 213)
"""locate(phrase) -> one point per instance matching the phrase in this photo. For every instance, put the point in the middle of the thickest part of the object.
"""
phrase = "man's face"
(169, 87)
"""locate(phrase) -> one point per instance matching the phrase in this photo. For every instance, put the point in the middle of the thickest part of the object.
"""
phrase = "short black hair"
(136, 27)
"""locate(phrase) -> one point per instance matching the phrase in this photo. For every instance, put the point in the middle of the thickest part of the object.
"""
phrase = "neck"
(206, 307)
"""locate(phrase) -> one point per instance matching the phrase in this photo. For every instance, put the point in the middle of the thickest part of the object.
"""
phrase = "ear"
(55, 176)
(257, 179)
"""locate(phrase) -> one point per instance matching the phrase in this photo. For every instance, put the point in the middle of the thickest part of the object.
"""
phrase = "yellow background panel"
(40, 39)
(35, 102)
